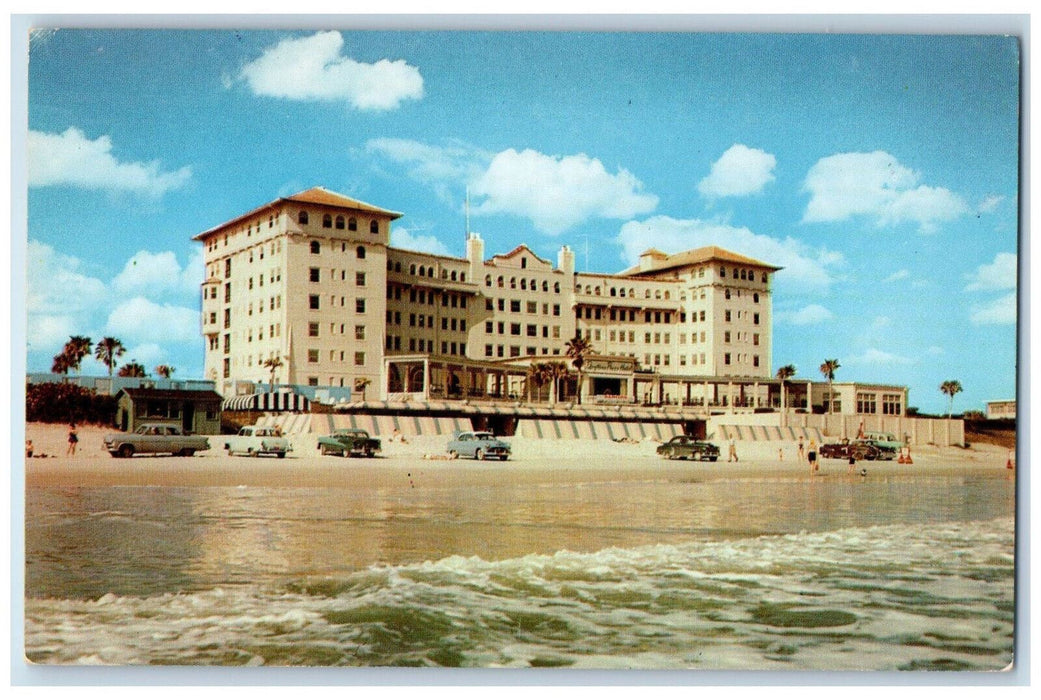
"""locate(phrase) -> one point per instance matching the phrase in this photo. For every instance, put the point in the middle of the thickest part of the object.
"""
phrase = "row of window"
(431, 271)
(313, 329)
(515, 351)
(313, 356)
(892, 404)
(531, 307)
(339, 222)
(531, 329)
(315, 275)
(533, 284)
(314, 302)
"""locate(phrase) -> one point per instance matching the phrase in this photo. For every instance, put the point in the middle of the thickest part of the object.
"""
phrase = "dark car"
(885, 451)
(687, 447)
(844, 449)
(351, 442)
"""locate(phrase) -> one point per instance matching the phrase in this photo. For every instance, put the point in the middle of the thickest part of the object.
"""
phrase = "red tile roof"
(315, 195)
(696, 256)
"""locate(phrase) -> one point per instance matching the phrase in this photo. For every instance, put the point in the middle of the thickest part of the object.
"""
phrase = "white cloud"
(875, 185)
(58, 286)
(556, 192)
(803, 268)
(1000, 274)
(739, 171)
(70, 158)
(897, 276)
(806, 316)
(1000, 312)
(457, 161)
(139, 320)
(878, 358)
(990, 203)
(159, 275)
(402, 238)
(312, 68)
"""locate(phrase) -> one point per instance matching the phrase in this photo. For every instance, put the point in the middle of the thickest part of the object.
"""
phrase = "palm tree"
(273, 363)
(164, 371)
(577, 349)
(828, 368)
(361, 384)
(75, 350)
(61, 363)
(132, 369)
(107, 351)
(950, 388)
(539, 374)
(557, 371)
(784, 374)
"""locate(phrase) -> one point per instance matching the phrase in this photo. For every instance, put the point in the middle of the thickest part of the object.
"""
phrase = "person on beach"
(73, 439)
(28, 448)
(802, 450)
(732, 457)
(811, 456)
(852, 464)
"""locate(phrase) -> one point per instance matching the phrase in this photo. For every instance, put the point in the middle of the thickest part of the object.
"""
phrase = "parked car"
(885, 449)
(479, 445)
(253, 441)
(155, 438)
(887, 442)
(687, 447)
(859, 449)
(350, 442)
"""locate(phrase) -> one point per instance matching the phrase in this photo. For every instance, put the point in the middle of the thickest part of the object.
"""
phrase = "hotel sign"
(603, 365)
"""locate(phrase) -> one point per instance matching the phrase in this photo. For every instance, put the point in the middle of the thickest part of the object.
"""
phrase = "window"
(722, 272)
(755, 360)
(532, 330)
(359, 332)
(359, 306)
(314, 301)
(726, 358)
(755, 339)
(301, 218)
(755, 319)
(726, 337)
(515, 329)
(312, 330)
(726, 315)
(227, 268)
(866, 403)
(339, 222)
(374, 226)
(312, 355)
(359, 279)
(316, 247)
(359, 358)
(327, 221)
(316, 275)
(891, 404)
(352, 224)
(515, 306)
(361, 252)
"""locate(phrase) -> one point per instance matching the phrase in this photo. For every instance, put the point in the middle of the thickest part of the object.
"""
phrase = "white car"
(254, 441)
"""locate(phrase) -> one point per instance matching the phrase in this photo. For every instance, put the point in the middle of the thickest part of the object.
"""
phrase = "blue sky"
(880, 171)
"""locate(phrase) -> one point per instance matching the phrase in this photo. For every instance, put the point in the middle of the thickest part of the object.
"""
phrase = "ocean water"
(876, 573)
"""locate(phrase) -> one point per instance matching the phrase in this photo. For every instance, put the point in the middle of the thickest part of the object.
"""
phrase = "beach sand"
(421, 463)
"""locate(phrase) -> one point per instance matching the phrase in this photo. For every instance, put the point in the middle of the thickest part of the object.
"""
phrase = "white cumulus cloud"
(1000, 274)
(990, 203)
(402, 238)
(804, 268)
(877, 186)
(558, 192)
(70, 158)
(897, 276)
(999, 312)
(313, 68)
(739, 171)
(878, 358)
(159, 275)
(806, 316)
(139, 320)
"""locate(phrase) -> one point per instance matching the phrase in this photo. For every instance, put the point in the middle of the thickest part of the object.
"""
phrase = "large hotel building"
(310, 284)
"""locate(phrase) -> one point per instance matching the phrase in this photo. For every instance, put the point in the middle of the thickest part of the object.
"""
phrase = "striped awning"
(277, 401)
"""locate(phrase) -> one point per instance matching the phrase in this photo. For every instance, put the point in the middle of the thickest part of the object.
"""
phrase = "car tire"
(187, 452)
(251, 453)
(713, 459)
(281, 455)
(323, 449)
(479, 455)
(126, 451)
(697, 456)
(453, 454)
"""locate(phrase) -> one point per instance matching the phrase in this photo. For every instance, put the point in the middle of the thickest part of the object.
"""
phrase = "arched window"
(646, 294)
(524, 284)
(657, 294)
(556, 287)
(462, 276)
(596, 291)
(545, 286)
(316, 247)
(499, 282)
(327, 221)
(755, 297)
(726, 293)
(422, 271)
(360, 252)
(374, 226)
(487, 280)
(513, 283)
(453, 275)
(397, 267)
(632, 293)
(352, 224)
(613, 293)
(301, 218)
(339, 222)
(666, 294)
(764, 277)
(412, 269)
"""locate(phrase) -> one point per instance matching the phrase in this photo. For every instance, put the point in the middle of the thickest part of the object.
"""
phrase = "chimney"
(566, 260)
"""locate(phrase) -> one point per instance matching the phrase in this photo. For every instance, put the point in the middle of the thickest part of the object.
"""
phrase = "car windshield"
(484, 436)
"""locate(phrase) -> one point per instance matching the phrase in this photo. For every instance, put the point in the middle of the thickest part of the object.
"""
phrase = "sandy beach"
(421, 463)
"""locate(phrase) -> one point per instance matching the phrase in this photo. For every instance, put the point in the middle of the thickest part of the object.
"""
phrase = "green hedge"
(67, 403)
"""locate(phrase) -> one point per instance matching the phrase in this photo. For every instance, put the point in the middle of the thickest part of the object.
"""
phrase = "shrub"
(52, 402)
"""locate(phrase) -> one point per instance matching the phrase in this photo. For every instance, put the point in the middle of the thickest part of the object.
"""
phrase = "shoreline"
(421, 463)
